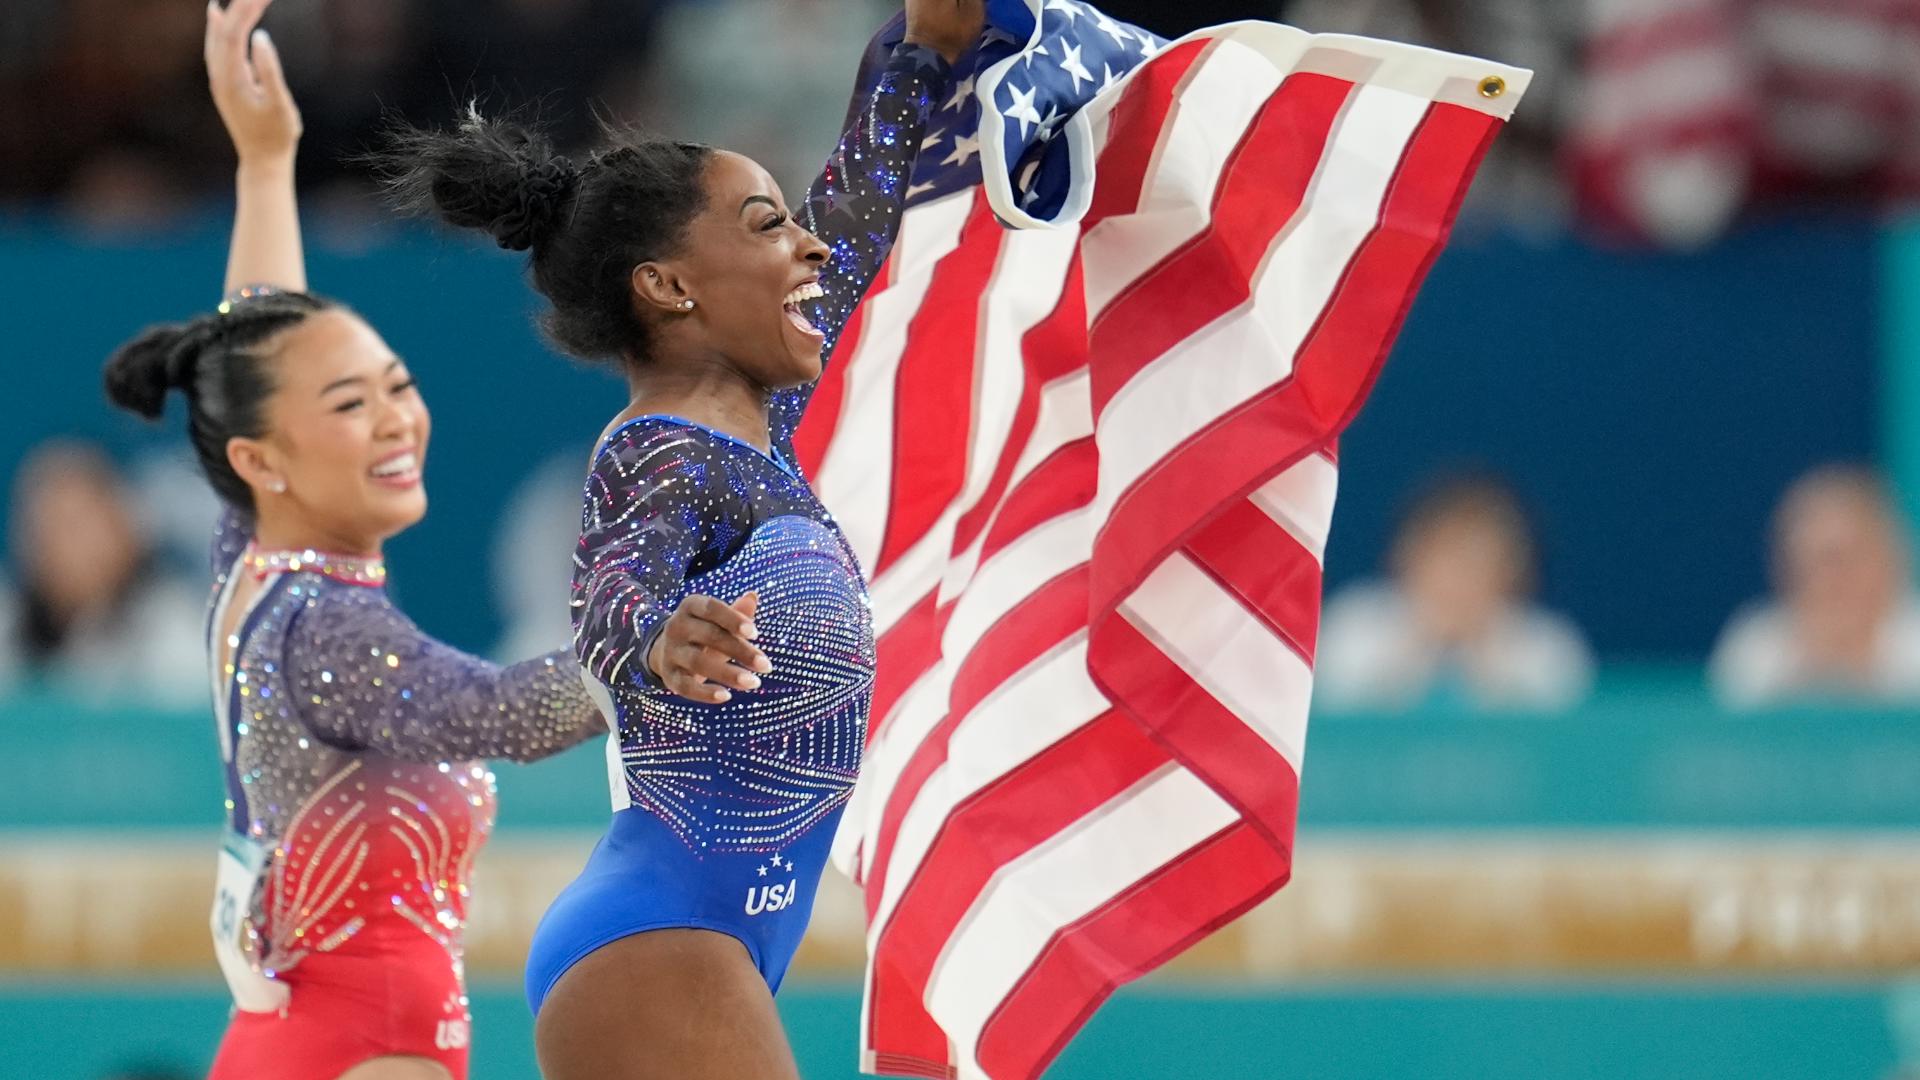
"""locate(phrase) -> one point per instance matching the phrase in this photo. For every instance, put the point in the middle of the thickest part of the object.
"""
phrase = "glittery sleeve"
(659, 502)
(231, 535)
(365, 677)
(855, 203)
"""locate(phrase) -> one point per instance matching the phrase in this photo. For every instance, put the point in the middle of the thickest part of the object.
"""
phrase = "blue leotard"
(724, 813)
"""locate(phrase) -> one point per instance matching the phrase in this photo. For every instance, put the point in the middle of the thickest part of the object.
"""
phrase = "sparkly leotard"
(356, 805)
(724, 813)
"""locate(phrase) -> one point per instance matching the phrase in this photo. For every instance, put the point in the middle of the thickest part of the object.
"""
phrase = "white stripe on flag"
(1041, 554)
(1074, 873)
(1248, 350)
(1300, 500)
(897, 736)
(1026, 288)
(1065, 415)
(855, 478)
(1234, 656)
(1043, 703)
(1010, 577)
(912, 576)
(1223, 93)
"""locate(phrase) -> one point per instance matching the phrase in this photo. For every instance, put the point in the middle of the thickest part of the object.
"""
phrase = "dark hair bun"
(141, 372)
(495, 175)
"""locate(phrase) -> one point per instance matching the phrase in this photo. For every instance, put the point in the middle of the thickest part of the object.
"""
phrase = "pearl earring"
(278, 487)
(686, 305)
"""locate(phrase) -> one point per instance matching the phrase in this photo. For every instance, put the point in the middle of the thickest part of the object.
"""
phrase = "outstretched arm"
(854, 205)
(365, 677)
(250, 90)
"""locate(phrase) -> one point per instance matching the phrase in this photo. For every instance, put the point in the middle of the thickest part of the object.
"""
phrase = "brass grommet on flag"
(1492, 86)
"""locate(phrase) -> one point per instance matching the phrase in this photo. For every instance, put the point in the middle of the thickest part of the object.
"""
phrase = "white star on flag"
(1037, 50)
(1030, 192)
(930, 141)
(964, 147)
(1071, 64)
(1107, 70)
(914, 191)
(1072, 9)
(1112, 29)
(962, 90)
(1050, 126)
(1022, 108)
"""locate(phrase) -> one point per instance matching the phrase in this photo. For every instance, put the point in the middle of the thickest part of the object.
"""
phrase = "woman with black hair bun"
(356, 794)
(714, 599)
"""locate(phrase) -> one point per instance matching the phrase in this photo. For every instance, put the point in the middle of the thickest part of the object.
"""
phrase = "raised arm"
(660, 498)
(366, 678)
(250, 90)
(854, 205)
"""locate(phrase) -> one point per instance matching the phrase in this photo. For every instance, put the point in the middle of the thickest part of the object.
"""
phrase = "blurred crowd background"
(1623, 557)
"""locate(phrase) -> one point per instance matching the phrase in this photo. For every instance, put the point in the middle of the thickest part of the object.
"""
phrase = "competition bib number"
(241, 862)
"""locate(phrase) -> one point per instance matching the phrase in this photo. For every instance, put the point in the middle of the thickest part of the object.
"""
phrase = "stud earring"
(686, 305)
(278, 487)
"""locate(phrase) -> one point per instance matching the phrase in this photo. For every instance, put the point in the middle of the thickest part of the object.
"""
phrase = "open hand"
(706, 647)
(250, 90)
(949, 27)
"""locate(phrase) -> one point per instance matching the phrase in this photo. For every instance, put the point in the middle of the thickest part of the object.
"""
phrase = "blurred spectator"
(1455, 623)
(1844, 622)
(91, 613)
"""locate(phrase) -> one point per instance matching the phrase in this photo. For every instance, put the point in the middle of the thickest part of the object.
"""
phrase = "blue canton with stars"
(1063, 53)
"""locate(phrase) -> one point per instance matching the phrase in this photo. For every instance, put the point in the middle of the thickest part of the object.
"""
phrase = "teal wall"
(1648, 752)
(1160, 1032)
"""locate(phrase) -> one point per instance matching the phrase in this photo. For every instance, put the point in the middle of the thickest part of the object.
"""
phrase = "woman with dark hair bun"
(714, 599)
(352, 741)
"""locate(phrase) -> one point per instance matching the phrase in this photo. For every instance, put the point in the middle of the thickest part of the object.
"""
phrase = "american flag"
(1081, 432)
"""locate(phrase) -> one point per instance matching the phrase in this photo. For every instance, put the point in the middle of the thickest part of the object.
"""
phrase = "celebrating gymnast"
(713, 597)
(356, 801)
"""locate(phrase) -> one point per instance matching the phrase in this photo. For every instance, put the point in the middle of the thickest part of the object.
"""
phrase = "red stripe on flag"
(1260, 190)
(1212, 884)
(1200, 732)
(1255, 558)
(1143, 108)
(1033, 628)
(1336, 368)
(902, 655)
(1056, 346)
(995, 826)
(1065, 481)
(933, 400)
